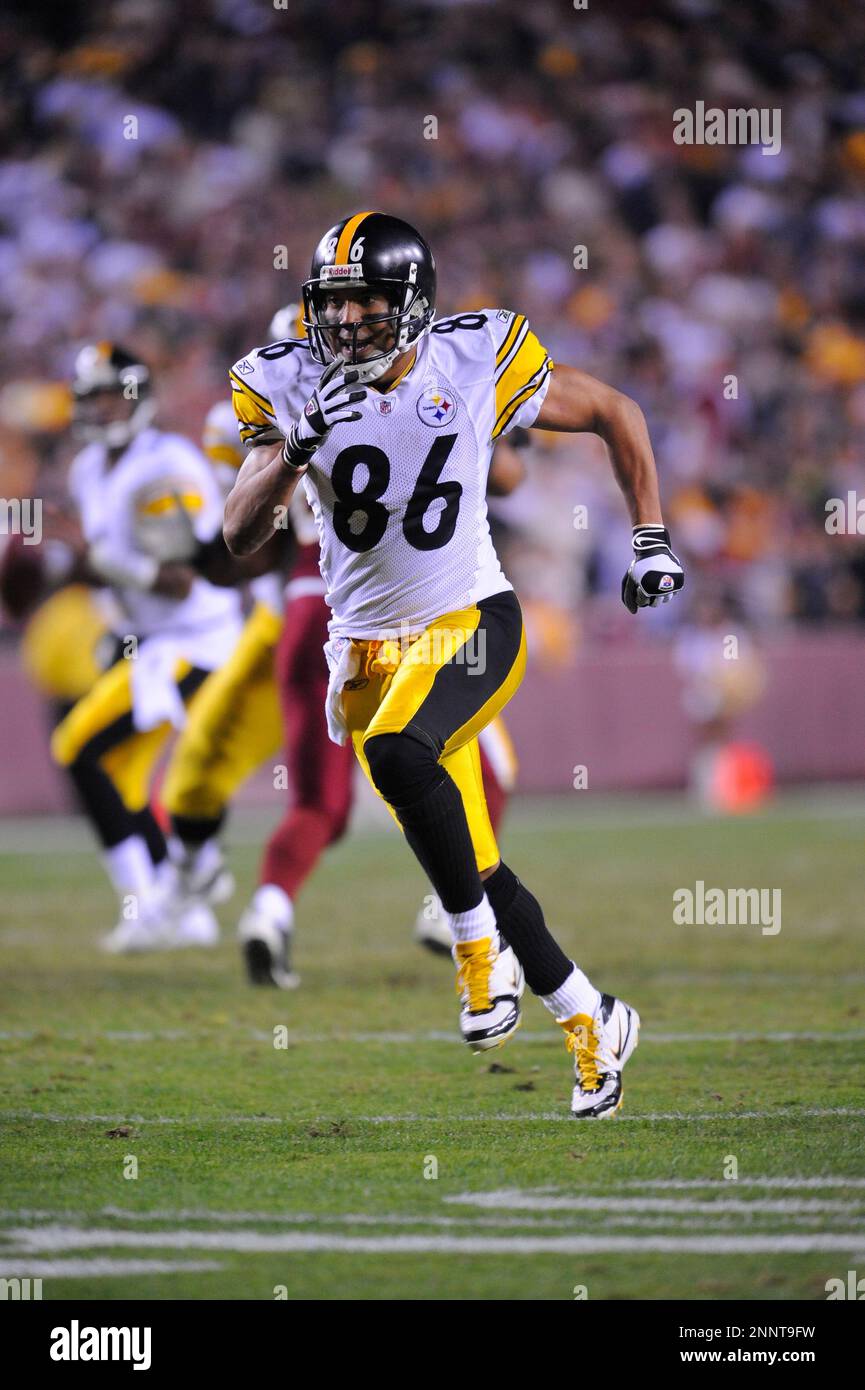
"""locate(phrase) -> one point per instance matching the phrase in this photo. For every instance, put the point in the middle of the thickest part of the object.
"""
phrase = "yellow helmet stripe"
(346, 237)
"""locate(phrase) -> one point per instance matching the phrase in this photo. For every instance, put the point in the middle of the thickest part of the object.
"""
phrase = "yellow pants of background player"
(100, 726)
(444, 696)
(234, 725)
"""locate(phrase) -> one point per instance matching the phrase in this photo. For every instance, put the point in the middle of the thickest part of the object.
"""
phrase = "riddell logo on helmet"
(342, 272)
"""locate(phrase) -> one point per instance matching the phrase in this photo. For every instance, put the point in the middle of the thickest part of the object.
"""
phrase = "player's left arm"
(578, 403)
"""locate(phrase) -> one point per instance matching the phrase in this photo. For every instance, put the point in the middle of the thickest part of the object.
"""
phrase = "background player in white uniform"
(427, 643)
(148, 504)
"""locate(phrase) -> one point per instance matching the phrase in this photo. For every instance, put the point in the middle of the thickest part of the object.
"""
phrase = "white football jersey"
(226, 453)
(160, 487)
(399, 496)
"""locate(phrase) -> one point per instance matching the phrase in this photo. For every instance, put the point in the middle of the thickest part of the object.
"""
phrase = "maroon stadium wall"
(618, 713)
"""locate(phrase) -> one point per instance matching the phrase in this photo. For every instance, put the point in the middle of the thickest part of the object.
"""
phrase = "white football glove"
(330, 404)
(655, 574)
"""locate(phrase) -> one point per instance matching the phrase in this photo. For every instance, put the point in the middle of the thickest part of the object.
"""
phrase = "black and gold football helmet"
(370, 251)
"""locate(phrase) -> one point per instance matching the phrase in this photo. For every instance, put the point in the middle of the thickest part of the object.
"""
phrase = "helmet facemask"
(101, 372)
(114, 434)
(409, 318)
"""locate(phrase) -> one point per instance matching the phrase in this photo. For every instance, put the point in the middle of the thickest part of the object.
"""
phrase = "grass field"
(308, 1167)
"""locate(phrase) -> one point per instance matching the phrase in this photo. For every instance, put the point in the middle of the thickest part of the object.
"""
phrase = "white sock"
(480, 921)
(275, 903)
(576, 996)
(130, 867)
(201, 860)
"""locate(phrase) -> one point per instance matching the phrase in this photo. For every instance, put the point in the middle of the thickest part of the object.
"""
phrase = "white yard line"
(733, 1184)
(432, 1035)
(58, 1238)
(100, 1268)
(530, 1221)
(507, 1200)
(494, 1117)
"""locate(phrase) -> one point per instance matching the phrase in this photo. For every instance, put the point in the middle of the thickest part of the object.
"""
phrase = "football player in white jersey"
(150, 511)
(392, 441)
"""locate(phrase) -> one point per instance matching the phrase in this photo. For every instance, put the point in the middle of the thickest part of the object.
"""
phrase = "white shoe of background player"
(265, 933)
(431, 927)
(195, 925)
(150, 930)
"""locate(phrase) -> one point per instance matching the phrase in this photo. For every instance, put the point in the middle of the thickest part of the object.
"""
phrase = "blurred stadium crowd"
(255, 127)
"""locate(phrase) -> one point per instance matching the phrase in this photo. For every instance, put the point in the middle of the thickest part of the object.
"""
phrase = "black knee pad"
(402, 767)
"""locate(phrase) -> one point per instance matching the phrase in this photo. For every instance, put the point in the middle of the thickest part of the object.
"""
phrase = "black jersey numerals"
(282, 348)
(427, 490)
(352, 507)
(360, 519)
(459, 321)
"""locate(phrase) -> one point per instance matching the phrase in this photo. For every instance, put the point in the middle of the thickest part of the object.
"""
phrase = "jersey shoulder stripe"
(253, 410)
(520, 397)
(522, 366)
(512, 341)
(149, 505)
(247, 389)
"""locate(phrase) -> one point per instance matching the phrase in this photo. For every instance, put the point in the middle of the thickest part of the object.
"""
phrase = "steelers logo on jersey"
(436, 407)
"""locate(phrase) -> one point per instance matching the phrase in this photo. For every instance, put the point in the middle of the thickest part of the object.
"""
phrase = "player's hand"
(330, 404)
(655, 574)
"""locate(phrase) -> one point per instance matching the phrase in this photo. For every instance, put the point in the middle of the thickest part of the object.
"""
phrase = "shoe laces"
(581, 1038)
(476, 961)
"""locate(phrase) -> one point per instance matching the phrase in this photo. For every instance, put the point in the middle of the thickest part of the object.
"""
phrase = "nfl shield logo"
(384, 407)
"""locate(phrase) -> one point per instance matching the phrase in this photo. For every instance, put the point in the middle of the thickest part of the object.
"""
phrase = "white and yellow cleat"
(601, 1046)
(490, 982)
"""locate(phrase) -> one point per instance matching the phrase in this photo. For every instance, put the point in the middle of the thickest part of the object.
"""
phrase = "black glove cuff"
(650, 536)
(296, 456)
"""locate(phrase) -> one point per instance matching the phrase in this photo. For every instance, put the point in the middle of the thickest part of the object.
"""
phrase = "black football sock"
(437, 830)
(520, 920)
(109, 816)
(147, 826)
(194, 830)
(427, 802)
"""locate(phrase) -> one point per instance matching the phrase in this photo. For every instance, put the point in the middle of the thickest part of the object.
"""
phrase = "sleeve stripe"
(224, 453)
(172, 501)
(514, 353)
(246, 390)
(525, 393)
(519, 320)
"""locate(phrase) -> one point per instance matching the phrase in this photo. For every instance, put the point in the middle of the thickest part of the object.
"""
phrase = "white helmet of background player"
(287, 323)
(111, 390)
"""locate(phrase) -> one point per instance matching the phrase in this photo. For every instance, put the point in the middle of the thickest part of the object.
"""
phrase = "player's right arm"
(265, 481)
(268, 477)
